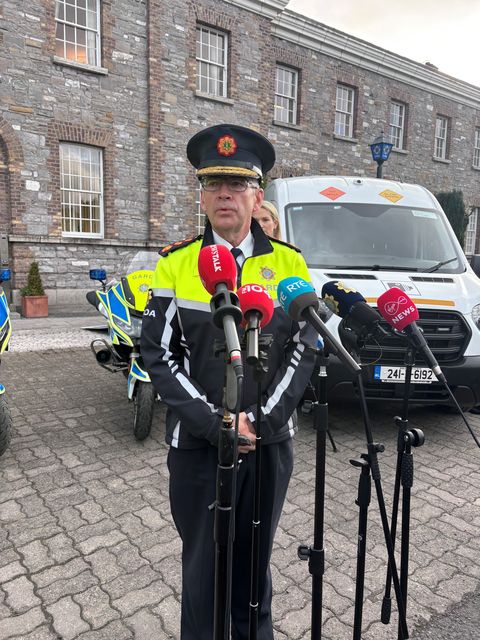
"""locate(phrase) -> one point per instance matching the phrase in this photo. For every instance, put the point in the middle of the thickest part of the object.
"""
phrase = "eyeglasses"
(233, 184)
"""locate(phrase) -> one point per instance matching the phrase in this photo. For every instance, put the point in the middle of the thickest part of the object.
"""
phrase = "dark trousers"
(192, 489)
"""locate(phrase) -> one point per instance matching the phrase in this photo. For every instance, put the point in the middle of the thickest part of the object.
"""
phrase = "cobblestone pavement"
(87, 546)
(38, 334)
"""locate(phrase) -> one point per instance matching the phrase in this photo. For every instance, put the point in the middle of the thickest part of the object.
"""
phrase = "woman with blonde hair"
(268, 219)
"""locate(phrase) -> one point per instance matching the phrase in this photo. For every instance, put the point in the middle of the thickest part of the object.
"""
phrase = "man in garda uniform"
(177, 347)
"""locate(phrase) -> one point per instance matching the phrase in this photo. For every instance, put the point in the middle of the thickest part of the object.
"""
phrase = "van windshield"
(372, 237)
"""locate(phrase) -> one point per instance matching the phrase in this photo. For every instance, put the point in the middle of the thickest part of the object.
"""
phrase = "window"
(286, 90)
(471, 233)
(344, 110)
(476, 149)
(441, 133)
(81, 184)
(212, 61)
(78, 31)
(200, 217)
(397, 125)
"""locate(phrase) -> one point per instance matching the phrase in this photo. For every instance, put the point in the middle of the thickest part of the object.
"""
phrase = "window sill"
(475, 168)
(287, 125)
(89, 68)
(402, 152)
(441, 160)
(82, 236)
(208, 96)
(345, 139)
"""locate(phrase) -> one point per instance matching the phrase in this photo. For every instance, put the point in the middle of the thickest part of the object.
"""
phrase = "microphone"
(299, 301)
(257, 306)
(218, 274)
(217, 267)
(350, 305)
(401, 313)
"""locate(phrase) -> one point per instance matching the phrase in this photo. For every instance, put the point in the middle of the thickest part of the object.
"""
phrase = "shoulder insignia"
(285, 244)
(170, 248)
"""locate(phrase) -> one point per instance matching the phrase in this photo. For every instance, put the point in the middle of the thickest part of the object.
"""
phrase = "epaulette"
(170, 248)
(285, 244)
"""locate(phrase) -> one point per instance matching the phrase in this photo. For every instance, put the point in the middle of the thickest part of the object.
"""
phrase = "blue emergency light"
(98, 274)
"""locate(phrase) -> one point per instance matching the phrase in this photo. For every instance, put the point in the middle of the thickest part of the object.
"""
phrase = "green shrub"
(454, 207)
(34, 286)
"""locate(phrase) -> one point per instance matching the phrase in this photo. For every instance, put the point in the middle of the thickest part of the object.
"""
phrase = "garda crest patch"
(267, 274)
(226, 146)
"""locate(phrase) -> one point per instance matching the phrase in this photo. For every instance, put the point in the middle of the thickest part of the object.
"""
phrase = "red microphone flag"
(255, 298)
(216, 265)
(397, 308)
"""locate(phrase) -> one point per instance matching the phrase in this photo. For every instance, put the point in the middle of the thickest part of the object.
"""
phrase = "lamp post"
(380, 149)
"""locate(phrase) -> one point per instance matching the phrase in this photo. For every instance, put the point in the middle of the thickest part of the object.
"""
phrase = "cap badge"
(267, 273)
(226, 146)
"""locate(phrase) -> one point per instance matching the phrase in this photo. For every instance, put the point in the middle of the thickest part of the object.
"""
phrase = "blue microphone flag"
(340, 298)
(292, 288)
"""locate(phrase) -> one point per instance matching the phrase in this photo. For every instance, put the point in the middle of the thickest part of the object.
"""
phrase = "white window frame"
(476, 149)
(344, 110)
(71, 191)
(79, 22)
(397, 124)
(441, 137)
(200, 216)
(286, 94)
(210, 70)
(471, 232)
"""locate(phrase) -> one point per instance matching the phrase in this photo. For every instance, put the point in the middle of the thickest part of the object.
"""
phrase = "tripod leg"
(413, 438)
(387, 598)
(407, 482)
(332, 441)
(363, 501)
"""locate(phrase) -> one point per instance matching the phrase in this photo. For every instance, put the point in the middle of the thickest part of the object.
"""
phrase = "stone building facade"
(135, 98)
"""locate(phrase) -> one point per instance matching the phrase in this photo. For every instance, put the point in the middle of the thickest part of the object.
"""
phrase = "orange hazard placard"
(332, 193)
(393, 196)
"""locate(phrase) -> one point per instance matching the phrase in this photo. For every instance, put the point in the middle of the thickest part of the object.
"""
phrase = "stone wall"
(141, 107)
(46, 102)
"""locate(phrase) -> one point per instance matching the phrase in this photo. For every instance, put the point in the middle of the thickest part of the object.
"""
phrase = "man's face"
(230, 211)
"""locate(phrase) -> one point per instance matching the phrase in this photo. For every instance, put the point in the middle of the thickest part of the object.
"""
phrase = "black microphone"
(299, 300)
(401, 313)
(350, 305)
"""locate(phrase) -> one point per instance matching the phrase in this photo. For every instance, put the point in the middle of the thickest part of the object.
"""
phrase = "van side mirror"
(475, 264)
(6, 274)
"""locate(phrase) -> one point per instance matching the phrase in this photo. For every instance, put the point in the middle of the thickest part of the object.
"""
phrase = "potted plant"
(34, 300)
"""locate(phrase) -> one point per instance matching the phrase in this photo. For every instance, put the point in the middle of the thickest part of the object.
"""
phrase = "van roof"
(352, 189)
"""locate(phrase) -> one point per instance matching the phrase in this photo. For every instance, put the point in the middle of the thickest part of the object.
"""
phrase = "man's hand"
(246, 428)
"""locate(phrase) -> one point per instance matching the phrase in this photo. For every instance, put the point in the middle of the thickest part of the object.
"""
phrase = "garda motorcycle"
(122, 302)
(5, 333)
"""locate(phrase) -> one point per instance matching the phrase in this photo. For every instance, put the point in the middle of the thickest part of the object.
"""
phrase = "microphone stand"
(407, 438)
(316, 554)
(224, 505)
(369, 468)
(258, 359)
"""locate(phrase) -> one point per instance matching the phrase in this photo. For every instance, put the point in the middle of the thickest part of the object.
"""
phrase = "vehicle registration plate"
(420, 375)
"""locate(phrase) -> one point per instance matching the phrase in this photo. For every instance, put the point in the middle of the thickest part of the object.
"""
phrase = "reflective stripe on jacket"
(178, 337)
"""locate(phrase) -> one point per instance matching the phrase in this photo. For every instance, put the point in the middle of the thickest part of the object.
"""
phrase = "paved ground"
(87, 546)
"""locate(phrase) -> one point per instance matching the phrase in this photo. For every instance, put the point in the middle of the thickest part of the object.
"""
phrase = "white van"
(375, 234)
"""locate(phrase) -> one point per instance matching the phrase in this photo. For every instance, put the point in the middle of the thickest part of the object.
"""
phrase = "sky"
(443, 32)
